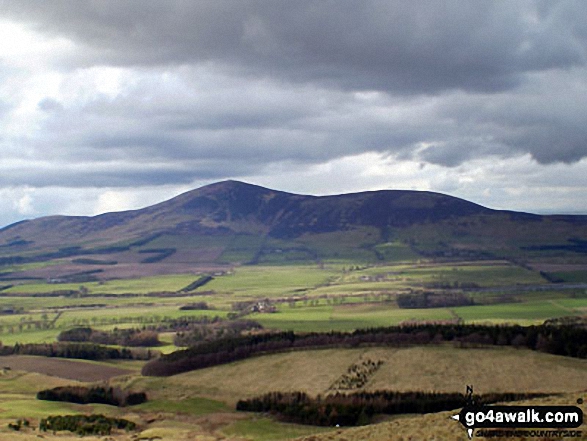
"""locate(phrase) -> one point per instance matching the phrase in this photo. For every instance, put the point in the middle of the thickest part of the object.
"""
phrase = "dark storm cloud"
(403, 47)
(246, 127)
(121, 175)
(226, 88)
(243, 128)
(452, 153)
(545, 118)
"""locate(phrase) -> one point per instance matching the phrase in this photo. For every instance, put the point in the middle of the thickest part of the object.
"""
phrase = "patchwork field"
(323, 297)
(305, 297)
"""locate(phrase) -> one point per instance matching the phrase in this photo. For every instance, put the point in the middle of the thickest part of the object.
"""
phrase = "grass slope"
(198, 405)
(441, 368)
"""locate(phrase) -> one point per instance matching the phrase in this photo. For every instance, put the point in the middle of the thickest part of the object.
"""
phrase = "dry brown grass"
(309, 371)
(494, 369)
(444, 369)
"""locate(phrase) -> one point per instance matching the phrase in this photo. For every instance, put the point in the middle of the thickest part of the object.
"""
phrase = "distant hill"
(235, 222)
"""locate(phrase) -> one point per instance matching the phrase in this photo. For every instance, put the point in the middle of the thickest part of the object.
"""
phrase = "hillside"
(232, 222)
(440, 368)
(236, 207)
(200, 405)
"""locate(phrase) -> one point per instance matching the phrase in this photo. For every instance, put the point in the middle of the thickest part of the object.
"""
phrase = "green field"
(346, 317)
(335, 295)
(353, 316)
(571, 276)
(134, 286)
(523, 313)
(192, 406)
(307, 298)
(259, 281)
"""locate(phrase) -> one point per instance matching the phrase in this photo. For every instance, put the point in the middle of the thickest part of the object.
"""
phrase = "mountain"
(230, 222)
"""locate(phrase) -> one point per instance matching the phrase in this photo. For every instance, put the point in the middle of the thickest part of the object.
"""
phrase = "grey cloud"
(248, 122)
(545, 118)
(256, 83)
(401, 47)
(294, 124)
(454, 152)
(121, 175)
(246, 131)
(553, 142)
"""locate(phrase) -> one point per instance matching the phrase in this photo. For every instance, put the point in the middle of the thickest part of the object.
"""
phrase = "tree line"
(560, 340)
(189, 331)
(123, 337)
(85, 424)
(84, 351)
(113, 396)
(428, 299)
(201, 281)
(206, 332)
(359, 408)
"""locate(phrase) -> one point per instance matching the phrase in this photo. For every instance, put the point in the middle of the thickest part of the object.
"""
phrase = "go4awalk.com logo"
(506, 421)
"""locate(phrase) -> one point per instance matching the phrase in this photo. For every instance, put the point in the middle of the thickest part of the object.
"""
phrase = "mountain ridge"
(424, 220)
(239, 200)
(231, 184)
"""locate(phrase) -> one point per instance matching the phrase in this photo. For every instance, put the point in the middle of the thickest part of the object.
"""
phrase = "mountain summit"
(243, 207)
(230, 216)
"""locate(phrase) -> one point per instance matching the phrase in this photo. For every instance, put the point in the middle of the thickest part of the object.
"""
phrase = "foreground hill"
(200, 405)
(233, 222)
(439, 368)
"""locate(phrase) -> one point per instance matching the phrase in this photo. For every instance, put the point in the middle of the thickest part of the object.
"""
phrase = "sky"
(114, 105)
